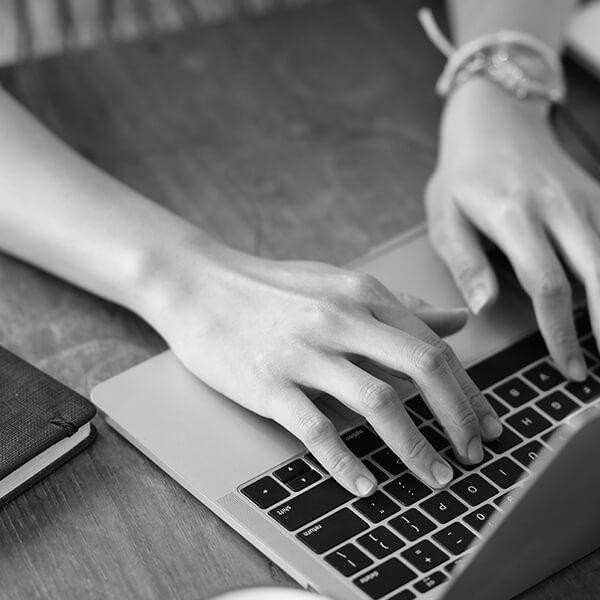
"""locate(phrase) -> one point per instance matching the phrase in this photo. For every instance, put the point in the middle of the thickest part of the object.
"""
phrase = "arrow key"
(265, 492)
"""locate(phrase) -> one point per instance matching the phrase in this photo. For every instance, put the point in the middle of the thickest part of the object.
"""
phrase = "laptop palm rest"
(555, 522)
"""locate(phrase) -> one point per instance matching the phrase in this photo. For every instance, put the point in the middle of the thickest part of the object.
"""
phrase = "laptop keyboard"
(406, 538)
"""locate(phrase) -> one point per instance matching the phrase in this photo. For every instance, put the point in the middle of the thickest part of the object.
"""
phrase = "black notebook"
(43, 423)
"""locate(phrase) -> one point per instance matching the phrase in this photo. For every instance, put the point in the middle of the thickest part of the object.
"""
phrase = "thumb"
(442, 320)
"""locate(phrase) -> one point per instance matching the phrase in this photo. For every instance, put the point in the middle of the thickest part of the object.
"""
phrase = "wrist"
(178, 262)
(481, 98)
(480, 114)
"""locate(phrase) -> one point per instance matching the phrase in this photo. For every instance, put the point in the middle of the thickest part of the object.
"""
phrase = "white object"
(583, 37)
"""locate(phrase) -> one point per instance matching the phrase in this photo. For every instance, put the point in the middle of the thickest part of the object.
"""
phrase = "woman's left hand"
(501, 172)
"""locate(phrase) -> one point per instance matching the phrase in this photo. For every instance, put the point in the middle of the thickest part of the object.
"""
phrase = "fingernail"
(576, 369)
(364, 486)
(491, 427)
(478, 297)
(475, 451)
(441, 472)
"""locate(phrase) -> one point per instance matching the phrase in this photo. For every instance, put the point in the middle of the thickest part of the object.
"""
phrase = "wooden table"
(308, 133)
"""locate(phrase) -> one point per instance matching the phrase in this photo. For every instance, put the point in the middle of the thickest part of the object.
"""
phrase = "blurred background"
(33, 28)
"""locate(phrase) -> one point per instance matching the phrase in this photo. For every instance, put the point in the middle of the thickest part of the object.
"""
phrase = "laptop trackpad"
(412, 266)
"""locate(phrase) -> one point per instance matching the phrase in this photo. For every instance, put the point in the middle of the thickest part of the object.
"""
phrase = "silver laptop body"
(176, 421)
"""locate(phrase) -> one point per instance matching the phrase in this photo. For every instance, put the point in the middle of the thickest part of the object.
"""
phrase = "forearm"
(68, 217)
(545, 19)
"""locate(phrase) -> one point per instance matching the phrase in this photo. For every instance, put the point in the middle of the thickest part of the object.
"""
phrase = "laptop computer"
(528, 510)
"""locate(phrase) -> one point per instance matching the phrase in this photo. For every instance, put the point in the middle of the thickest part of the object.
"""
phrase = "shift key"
(311, 505)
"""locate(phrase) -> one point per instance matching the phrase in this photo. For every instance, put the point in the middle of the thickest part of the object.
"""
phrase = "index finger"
(542, 276)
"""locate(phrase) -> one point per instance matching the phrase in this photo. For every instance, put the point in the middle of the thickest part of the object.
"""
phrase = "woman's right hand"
(269, 334)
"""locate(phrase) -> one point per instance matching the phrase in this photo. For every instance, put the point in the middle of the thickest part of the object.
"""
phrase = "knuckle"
(464, 418)
(361, 284)
(326, 315)
(564, 336)
(341, 463)
(376, 396)
(513, 214)
(262, 366)
(552, 285)
(466, 270)
(315, 429)
(429, 359)
(444, 348)
(416, 446)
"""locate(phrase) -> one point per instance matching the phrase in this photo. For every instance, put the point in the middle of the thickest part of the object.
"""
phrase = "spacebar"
(311, 505)
(508, 361)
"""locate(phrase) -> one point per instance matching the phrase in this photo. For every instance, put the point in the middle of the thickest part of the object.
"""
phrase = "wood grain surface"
(307, 133)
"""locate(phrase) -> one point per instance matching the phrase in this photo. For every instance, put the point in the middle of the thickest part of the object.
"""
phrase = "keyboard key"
(474, 489)
(348, 560)
(509, 497)
(265, 492)
(418, 405)
(385, 578)
(379, 474)
(425, 556)
(437, 440)
(403, 595)
(504, 472)
(557, 405)
(291, 470)
(376, 507)
(486, 458)
(310, 505)
(432, 580)
(443, 507)
(528, 453)
(544, 376)
(455, 538)
(509, 361)
(507, 440)
(528, 422)
(407, 489)
(515, 392)
(332, 530)
(412, 524)
(362, 441)
(500, 408)
(586, 391)
(480, 517)
(380, 542)
(303, 481)
(389, 461)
